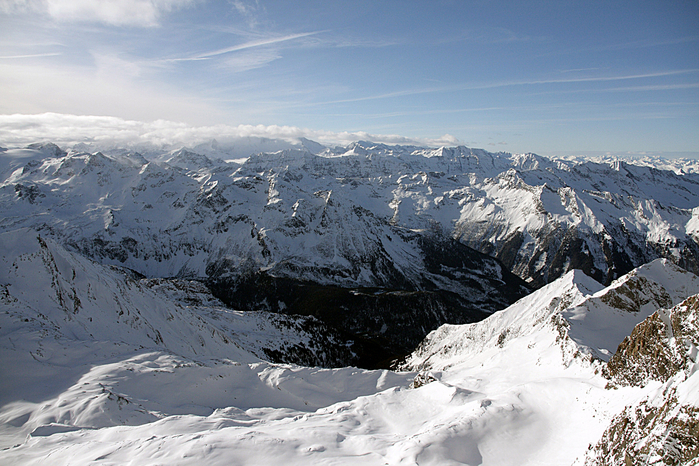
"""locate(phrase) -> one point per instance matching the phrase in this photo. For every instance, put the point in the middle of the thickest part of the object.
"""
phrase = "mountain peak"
(312, 146)
(189, 160)
(48, 148)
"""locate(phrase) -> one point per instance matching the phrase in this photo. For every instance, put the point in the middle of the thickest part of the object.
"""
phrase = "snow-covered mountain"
(355, 215)
(49, 291)
(117, 351)
(381, 243)
(576, 316)
(107, 367)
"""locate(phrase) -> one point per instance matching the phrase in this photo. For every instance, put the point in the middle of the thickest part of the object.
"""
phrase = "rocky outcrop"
(658, 348)
(650, 434)
(663, 427)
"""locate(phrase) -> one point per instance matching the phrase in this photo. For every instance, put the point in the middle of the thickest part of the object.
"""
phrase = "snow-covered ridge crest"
(573, 318)
(453, 344)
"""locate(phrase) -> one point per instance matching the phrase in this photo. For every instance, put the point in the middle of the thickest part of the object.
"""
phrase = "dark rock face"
(383, 322)
(603, 256)
(378, 325)
(648, 434)
(662, 430)
(322, 346)
(657, 349)
(29, 193)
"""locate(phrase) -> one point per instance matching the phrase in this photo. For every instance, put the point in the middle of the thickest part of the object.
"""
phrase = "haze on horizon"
(547, 77)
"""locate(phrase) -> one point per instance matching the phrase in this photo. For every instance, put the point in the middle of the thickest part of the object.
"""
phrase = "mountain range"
(180, 306)
(351, 215)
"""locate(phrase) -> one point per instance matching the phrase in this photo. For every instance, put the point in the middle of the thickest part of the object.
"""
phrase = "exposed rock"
(423, 378)
(663, 427)
(647, 434)
(659, 347)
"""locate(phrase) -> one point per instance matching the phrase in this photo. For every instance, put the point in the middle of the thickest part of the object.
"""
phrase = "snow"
(175, 205)
(692, 225)
(111, 393)
(688, 392)
(101, 367)
(606, 318)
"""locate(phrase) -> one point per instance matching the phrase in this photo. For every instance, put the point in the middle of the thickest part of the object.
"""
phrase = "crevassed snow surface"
(87, 380)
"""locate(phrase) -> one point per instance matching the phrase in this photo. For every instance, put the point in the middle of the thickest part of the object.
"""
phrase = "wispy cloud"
(656, 87)
(646, 43)
(245, 46)
(18, 6)
(578, 70)
(359, 42)
(598, 78)
(485, 36)
(249, 59)
(438, 111)
(249, 10)
(646, 88)
(503, 84)
(33, 55)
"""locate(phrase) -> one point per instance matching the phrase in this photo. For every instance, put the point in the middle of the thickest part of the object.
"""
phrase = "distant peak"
(186, 158)
(48, 148)
(312, 146)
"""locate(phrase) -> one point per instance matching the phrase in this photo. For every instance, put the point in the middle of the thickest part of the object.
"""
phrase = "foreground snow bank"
(106, 370)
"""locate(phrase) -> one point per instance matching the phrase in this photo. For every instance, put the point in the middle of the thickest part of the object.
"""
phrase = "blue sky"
(541, 76)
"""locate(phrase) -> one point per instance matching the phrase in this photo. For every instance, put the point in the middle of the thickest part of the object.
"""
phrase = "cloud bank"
(104, 132)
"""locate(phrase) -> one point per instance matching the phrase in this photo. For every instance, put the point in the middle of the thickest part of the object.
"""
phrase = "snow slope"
(48, 290)
(573, 317)
(499, 392)
(90, 347)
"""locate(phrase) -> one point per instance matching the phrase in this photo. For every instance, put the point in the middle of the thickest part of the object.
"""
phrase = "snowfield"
(107, 370)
